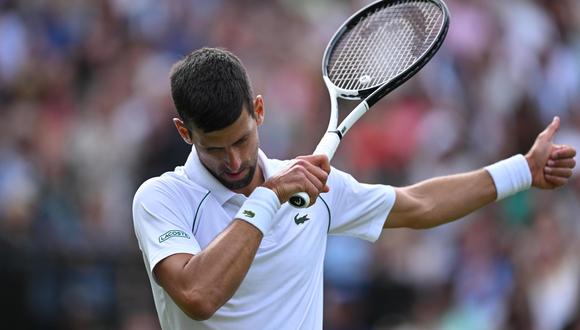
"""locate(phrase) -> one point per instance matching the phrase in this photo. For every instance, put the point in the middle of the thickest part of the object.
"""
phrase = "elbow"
(427, 219)
(199, 307)
(413, 209)
(423, 217)
(417, 222)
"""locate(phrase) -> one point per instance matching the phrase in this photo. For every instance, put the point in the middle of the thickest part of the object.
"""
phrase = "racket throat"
(337, 132)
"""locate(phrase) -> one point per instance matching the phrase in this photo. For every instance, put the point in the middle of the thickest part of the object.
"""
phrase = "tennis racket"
(373, 52)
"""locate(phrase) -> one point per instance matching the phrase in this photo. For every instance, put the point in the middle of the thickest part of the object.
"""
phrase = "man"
(224, 250)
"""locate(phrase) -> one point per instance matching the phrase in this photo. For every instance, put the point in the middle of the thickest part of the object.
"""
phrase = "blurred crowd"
(85, 117)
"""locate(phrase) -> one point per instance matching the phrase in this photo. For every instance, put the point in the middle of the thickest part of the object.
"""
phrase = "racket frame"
(371, 95)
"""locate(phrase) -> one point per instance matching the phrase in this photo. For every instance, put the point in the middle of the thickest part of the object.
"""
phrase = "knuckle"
(299, 168)
(299, 161)
(303, 162)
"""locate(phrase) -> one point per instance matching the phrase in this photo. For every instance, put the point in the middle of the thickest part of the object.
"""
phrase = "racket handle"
(300, 200)
(327, 146)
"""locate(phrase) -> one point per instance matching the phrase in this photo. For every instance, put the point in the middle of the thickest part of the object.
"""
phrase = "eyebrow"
(242, 138)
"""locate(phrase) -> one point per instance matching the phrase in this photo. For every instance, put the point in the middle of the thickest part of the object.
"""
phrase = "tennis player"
(223, 249)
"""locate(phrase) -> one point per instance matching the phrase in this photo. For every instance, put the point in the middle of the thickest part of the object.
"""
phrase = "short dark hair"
(210, 87)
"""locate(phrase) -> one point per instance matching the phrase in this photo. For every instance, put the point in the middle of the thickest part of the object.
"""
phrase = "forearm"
(215, 274)
(202, 283)
(440, 200)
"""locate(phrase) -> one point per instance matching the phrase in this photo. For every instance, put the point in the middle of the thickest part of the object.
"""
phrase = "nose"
(233, 160)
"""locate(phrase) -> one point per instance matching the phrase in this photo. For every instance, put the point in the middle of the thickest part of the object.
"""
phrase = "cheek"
(252, 151)
(210, 161)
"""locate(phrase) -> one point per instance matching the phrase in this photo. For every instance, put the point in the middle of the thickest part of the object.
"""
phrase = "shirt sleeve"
(358, 209)
(161, 223)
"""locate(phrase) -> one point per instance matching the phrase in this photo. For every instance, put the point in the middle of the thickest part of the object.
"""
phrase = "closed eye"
(241, 141)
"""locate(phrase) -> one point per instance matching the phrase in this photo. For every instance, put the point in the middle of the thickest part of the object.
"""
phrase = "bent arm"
(440, 200)
(202, 283)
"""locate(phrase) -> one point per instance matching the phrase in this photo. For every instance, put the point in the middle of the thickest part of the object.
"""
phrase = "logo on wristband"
(249, 213)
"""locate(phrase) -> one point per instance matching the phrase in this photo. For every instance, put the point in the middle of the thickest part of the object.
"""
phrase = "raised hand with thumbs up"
(550, 164)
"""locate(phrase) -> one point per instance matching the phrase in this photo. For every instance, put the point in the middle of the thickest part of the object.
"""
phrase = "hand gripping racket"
(373, 52)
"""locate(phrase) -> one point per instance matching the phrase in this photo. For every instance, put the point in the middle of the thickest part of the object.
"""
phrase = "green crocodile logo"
(302, 219)
(249, 213)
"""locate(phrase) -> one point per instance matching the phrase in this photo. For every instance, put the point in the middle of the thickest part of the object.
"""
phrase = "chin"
(233, 185)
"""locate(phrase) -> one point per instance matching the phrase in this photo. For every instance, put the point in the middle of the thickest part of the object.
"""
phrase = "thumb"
(551, 130)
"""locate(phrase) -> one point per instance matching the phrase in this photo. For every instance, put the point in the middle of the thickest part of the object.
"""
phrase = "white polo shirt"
(184, 210)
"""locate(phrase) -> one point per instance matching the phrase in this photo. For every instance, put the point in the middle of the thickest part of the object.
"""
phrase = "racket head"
(383, 45)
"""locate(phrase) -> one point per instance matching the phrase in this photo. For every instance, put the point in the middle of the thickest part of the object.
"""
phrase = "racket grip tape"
(327, 146)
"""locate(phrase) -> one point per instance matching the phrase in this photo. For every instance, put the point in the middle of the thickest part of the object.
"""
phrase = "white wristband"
(510, 176)
(259, 209)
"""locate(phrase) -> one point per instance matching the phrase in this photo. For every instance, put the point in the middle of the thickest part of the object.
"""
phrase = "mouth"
(233, 176)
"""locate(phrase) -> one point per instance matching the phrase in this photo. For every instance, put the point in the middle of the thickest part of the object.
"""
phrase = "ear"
(259, 109)
(182, 130)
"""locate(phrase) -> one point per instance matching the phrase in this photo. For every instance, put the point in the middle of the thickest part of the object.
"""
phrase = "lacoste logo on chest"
(301, 220)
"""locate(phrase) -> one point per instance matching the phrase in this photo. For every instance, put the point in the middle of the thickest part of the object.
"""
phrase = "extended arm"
(437, 201)
(441, 200)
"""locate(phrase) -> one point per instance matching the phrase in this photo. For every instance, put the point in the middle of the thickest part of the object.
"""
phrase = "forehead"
(226, 136)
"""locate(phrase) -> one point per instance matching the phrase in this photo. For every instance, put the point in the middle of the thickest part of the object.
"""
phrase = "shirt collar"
(197, 173)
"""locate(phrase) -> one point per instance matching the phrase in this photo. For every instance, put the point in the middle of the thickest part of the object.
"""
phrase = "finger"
(312, 193)
(320, 161)
(550, 131)
(320, 173)
(563, 152)
(559, 172)
(312, 174)
(313, 190)
(567, 163)
(319, 184)
(556, 180)
(325, 165)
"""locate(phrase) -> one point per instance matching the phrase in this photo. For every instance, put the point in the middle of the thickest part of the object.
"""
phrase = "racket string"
(374, 50)
(393, 58)
(400, 45)
(367, 64)
(343, 65)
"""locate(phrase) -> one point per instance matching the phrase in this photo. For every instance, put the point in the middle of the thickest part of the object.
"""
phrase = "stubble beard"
(238, 184)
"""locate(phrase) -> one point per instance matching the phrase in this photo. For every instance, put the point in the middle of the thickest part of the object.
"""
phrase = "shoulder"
(169, 188)
(344, 185)
(339, 177)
